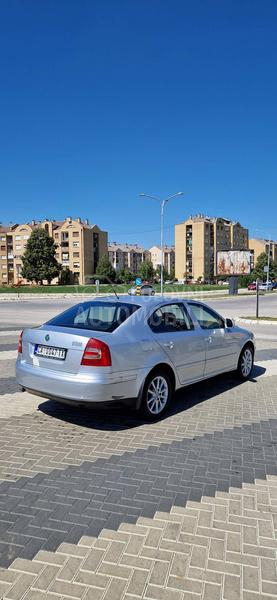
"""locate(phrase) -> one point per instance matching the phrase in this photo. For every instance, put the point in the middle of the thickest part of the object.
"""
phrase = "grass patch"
(87, 289)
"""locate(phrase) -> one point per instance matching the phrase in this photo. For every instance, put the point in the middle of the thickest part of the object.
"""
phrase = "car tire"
(156, 395)
(245, 363)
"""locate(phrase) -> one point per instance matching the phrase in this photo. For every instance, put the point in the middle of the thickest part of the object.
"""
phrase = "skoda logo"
(47, 337)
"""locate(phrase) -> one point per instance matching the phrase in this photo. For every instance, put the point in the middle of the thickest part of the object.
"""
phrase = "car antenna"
(114, 290)
(112, 286)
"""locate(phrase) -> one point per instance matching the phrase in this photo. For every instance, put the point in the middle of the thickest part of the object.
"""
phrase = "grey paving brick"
(159, 593)
(18, 590)
(138, 582)
(211, 592)
(115, 590)
(250, 578)
(44, 580)
(64, 588)
(231, 590)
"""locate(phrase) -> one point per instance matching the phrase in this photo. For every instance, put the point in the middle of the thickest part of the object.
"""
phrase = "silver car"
(138, 349)
(142, 290)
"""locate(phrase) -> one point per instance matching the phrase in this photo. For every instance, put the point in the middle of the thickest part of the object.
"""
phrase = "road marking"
(270, 367)
(8, 354)
(11, 333)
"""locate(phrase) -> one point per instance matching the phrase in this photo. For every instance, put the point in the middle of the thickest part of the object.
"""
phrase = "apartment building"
(79, 247)
(197, 241)
(127, 256)
(260, 245)
(168, 258)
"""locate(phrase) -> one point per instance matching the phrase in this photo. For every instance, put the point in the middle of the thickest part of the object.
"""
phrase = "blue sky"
(103, 99)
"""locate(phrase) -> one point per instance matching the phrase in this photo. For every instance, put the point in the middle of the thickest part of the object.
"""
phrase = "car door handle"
(169, 345)
(208, 339)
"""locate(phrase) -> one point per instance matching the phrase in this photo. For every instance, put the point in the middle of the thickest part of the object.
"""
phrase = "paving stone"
(211, 592)
(250, 578)
(115, 590)
(138, 582)
(18, 590)
(231, 590)
(46, 577)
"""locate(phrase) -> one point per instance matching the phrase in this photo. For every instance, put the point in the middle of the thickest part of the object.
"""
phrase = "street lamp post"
(162, 202)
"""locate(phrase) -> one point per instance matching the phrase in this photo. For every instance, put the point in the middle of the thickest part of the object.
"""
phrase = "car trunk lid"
(72, 341)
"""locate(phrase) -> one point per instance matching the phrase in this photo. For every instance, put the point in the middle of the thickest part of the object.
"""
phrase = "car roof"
(146, 301)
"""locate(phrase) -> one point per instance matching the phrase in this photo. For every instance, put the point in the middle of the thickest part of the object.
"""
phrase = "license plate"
(50, 352)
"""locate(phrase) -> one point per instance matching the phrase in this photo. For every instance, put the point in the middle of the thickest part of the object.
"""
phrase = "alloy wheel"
(157, 395)
(246, 362)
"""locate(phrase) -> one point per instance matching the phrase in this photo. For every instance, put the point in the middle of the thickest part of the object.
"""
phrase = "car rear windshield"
(95, 316)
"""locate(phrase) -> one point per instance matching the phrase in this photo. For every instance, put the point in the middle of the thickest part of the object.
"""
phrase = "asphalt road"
(18, 314)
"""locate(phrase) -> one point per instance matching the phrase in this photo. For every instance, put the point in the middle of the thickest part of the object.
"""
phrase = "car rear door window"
(170, 318)
(206, 317)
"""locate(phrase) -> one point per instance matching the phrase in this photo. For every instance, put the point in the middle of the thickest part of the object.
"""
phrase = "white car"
(138, 349)
(266, 287)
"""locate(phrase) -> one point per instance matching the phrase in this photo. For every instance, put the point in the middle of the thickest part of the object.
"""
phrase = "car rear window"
(95, 316)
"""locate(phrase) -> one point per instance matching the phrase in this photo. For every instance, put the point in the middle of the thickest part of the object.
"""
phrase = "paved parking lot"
(100, 505)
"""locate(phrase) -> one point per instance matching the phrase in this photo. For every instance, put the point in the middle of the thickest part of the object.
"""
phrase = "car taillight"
(96, 354)
(19, 346)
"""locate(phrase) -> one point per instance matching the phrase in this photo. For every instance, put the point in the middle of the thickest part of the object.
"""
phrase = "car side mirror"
(229, 322)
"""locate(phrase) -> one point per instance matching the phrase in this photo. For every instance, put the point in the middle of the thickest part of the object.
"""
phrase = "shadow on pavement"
(117, 416)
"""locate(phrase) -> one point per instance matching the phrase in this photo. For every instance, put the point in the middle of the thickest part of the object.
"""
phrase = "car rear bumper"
(76, 388)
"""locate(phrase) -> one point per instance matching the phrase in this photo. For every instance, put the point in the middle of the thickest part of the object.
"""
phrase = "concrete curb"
(254, 321)
(22, 297)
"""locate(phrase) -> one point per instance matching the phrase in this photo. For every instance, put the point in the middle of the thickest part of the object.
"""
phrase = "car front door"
(173, 329)
(221, 344)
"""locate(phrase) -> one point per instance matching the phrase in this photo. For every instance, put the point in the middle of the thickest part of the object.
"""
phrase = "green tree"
(146, 271)
(105, 270)
(125, 276)
(244, 280)
(39, 260)
(65, 276)
(262, 261)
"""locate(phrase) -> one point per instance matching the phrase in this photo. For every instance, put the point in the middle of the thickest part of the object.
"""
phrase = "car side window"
(170, 318)
(206, 317)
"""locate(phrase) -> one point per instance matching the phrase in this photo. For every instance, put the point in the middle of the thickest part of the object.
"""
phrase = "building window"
(18, 237)
(56, 236)
(76, 254)
(76, 265)
(26, 237)
(75, 234)
(18, 247)
(76, 244)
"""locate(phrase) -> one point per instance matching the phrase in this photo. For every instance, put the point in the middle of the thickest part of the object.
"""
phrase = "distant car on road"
(141, 290)
(266, 287)
(136, 349)
(263, 286)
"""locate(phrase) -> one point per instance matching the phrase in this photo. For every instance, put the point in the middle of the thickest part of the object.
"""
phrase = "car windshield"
(95, 316)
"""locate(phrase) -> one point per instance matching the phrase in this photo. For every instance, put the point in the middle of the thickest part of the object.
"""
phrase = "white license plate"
(50, 352)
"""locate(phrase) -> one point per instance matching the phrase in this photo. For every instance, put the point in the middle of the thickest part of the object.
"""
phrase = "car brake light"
(96, 354)
(19, 346)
